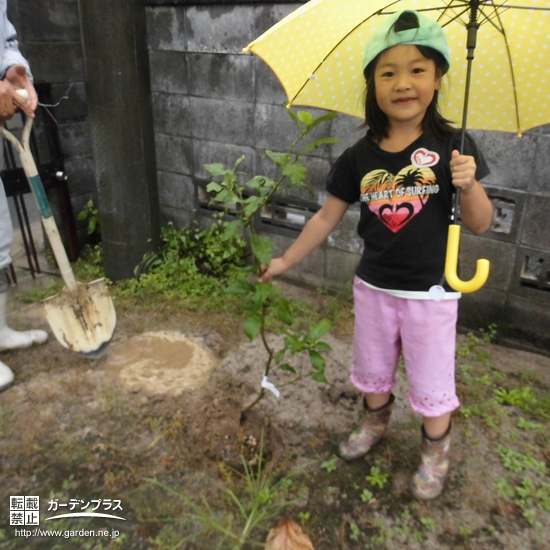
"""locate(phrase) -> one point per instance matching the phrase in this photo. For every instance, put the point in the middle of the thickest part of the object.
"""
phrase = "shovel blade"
(83, 321)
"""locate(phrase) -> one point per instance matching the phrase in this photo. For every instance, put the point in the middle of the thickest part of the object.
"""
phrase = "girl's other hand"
(463, 170)
(276, 267)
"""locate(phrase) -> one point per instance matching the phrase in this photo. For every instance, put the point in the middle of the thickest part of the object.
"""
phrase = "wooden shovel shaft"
(48, 220)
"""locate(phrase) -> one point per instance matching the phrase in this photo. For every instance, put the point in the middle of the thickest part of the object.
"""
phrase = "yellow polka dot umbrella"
(317, 50)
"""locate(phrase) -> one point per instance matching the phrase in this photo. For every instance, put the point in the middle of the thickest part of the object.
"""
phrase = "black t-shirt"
(406, 204)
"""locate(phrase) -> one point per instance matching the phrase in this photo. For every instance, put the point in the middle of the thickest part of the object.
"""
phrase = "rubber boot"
(6, 377)
(13, 339)
(429, 480)
(368, 433)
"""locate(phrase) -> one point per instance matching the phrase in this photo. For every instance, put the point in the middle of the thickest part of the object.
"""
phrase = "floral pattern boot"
(368, 433)
(429, 480)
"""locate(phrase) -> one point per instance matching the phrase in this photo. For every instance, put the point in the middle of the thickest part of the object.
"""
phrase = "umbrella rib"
(514, 88)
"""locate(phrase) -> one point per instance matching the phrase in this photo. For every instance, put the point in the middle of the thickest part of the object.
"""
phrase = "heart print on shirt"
(397, 199)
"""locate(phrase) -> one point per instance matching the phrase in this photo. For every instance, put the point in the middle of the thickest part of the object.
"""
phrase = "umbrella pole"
(451, 259)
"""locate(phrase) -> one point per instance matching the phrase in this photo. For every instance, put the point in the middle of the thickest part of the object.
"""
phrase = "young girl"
(403, 172)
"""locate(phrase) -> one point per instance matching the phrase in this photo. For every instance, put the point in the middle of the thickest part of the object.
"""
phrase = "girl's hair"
(375, 119)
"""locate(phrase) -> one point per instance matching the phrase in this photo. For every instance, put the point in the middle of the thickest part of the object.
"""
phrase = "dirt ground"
(76, 431)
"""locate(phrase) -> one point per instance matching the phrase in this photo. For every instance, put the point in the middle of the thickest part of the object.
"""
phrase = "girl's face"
(405, 83)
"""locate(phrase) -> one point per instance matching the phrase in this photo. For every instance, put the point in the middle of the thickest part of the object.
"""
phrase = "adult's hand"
(19, 79)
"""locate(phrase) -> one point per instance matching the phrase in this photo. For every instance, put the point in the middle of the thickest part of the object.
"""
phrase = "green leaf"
(286, 367)
(214, 187)
(252, 326)
(279, 159)
(240, 286)
(295, 172)
(319, 330)
(279, 356)
(317, 361)
(262, 248)
(215, 169)
(323, 118)
(319, 377)
(283, 312)
(312, 145)
(262, 292)
(252, 205)
(306, 118)
(82, 216)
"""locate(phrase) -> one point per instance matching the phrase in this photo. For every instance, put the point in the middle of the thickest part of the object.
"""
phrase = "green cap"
(429, 33)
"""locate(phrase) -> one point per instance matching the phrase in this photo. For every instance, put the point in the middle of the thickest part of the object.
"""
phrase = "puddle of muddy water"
(164, 362)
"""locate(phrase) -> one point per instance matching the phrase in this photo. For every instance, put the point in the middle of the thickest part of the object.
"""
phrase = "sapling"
(243, 200)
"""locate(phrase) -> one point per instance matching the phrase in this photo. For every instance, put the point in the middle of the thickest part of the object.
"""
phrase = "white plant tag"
(269, 386)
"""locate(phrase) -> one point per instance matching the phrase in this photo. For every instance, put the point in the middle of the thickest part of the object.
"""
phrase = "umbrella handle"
(48, 221)
(451, 262)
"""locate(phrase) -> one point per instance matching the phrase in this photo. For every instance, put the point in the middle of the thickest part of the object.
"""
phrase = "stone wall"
(213, 104)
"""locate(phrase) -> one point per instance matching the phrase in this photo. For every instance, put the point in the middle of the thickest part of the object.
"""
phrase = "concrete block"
(168, 71)
(345, 236)
(210, 152)
(221, 29)
(81, 173)
(180, 218)
(265, 16)
(75, 107)
(501, 255)
(340, 267)
(531, 278)
(536, 223)
(482, 308)
(221, 76)
(166, 29)
(268, 87)
(224, 121)
(541, 179)
(45, 21)
(347, 129)
(44, 58)
(508, 207)
(171, 114)
(528, 320)
(75, 139)
(174, 154)
(275, 129)
(511, 159)
(176, 191)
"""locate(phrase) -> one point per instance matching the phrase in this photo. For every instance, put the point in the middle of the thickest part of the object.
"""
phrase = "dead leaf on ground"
(288, 535)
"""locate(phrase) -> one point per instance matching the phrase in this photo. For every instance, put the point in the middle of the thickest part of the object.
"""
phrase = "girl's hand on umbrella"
(463, 170)
(17, 76)
(276, 267)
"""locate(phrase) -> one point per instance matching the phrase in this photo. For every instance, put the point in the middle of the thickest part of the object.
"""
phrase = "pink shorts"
(423, 330)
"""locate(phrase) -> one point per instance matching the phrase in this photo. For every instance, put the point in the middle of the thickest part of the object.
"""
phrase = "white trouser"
(6, 229)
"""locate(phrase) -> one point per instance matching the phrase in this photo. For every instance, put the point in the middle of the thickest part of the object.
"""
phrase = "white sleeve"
(12, 55)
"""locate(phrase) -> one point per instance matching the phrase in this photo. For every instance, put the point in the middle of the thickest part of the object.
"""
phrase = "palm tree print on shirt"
(397, 199)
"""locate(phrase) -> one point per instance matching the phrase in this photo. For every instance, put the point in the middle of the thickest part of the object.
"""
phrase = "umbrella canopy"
(316, 52)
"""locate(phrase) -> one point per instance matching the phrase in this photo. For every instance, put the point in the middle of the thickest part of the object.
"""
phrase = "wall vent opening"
(535, 272)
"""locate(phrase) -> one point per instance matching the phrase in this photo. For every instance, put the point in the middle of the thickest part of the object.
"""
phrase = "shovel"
(82, 316)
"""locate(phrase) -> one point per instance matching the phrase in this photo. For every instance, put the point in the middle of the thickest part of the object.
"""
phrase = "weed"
(428, 523)
(91, 214)
(366, 495)
(376, 477)
(330, 464)
(247, 512)
(355, 532)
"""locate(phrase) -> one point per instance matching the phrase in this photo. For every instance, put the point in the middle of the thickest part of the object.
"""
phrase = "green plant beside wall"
(242, 201)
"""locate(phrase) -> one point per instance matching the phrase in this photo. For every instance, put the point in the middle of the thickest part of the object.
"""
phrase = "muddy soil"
(77, 432)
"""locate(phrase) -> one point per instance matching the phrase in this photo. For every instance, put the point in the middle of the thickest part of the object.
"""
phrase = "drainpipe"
(118, 92)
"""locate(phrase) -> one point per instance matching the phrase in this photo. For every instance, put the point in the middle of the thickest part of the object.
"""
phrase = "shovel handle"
(48, 220)
(451, 263)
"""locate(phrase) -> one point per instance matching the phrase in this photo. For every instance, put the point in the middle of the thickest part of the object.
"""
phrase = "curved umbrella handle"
(451, 262)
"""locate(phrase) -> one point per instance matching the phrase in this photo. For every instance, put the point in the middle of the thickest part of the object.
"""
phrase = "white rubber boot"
(13, 339)
(6, 377)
